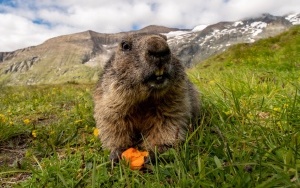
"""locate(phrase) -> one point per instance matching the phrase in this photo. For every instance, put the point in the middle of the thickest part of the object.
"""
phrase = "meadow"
(248, 135)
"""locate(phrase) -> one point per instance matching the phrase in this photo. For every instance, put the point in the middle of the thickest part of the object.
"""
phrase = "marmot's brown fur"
(144, 98)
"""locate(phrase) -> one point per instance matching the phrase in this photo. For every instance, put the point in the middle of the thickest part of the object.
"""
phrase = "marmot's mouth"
(157, 81)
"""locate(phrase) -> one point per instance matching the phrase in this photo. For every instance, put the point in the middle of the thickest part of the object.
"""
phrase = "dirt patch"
(12, 153)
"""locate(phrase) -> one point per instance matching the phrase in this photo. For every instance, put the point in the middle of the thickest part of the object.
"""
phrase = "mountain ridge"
(79, 57)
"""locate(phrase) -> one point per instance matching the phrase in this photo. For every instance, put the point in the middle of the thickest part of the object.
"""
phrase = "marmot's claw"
(150, 159)
(115, 155)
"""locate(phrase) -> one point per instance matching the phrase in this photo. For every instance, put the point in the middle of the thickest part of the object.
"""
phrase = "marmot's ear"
(163, 36)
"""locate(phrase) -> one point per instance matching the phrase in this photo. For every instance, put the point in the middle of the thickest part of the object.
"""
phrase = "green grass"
(248, 135)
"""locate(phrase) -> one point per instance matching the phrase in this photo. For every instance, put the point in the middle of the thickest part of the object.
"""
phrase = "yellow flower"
(277, 109)
(250, 115)
(229, 112)
(2, 118)
(212, 82)
(96, 132)
(26, 121)
(78, 121)
(33, 133)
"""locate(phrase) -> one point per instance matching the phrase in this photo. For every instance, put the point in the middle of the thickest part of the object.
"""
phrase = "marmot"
(144, 98)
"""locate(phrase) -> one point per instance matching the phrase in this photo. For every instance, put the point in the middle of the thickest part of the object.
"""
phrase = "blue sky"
(30, 22)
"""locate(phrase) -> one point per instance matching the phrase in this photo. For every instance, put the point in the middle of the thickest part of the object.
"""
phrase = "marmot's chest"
(145, 115)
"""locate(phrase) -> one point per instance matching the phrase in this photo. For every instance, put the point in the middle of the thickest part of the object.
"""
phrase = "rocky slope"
(79, 57)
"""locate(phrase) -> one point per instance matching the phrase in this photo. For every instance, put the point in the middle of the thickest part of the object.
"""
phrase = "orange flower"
(135, 158)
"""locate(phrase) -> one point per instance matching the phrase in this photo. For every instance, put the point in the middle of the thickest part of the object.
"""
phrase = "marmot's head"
(145, 60)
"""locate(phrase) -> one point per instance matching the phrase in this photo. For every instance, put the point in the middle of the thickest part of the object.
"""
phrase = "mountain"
(275, 54)
(204, 41)
(80, 57)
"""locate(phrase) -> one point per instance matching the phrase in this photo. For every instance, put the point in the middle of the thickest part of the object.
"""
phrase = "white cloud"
(31, 22)
(18, 31)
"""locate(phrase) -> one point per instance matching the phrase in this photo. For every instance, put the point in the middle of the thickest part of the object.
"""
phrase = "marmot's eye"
(126, 46)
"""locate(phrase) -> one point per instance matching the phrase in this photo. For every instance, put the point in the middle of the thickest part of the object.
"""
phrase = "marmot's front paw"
(115, 155)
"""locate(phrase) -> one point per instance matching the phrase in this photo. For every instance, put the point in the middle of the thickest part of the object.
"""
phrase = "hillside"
(60, 58)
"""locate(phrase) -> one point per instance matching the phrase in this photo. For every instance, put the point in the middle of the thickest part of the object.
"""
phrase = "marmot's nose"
(158, 48)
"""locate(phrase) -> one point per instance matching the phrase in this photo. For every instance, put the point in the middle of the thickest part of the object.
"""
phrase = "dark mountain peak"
(268, 18)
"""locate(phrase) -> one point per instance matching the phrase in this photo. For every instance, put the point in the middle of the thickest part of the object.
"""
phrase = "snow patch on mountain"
(259, 25)
(235, 24)
(294, 19)
(175, 33)
(178, 34)
(199, 28)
